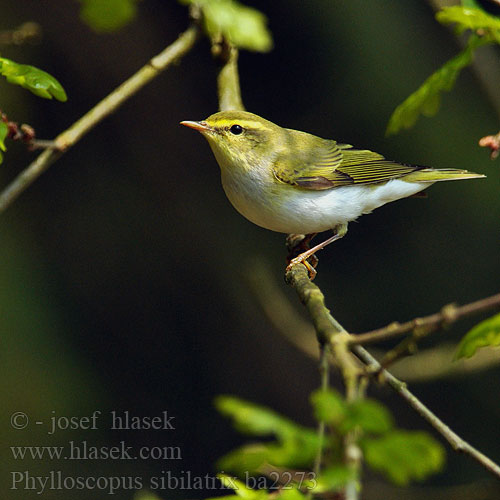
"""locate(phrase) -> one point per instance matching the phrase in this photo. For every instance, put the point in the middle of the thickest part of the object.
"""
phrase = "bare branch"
(107, 106)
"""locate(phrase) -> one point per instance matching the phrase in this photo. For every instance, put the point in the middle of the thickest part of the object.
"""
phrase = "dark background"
(123, 269)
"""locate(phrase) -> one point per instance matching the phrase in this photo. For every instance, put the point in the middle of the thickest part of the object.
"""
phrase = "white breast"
(287, 209)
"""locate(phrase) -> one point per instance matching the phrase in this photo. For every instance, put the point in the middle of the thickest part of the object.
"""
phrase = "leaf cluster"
(485, 29)
(244, 27)
(402, 456)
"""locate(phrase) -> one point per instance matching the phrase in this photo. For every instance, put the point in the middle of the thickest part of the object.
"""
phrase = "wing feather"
(333, 165)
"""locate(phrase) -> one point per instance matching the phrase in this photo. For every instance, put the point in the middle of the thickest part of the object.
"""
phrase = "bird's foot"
(298, 245)
(303, 259)
(307, 254)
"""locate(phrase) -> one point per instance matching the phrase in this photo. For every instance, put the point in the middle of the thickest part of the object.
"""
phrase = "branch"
(331, 334)
(448, 315)
(228, 81)
(456, 442)
(108, 105)
(425, 365)
(328, 330)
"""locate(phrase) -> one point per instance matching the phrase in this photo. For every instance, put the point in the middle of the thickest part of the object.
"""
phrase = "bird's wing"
(333, 165)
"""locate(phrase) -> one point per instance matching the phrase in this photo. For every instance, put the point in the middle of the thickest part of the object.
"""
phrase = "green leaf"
(243, 26)
(468, 18)
(471, 3)
(37, 81)
(104, 16)
(3, 134)
(253, 419)
(295, 446)
(369, 415)
(329, 406)
(484, 334)
(403, 456)
(249, 458)
(241, 489)
(426, 99)
(334, 478)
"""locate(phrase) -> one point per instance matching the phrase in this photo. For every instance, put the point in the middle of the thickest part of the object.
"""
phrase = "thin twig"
(324, 370)
(448, 315)
(107, 106)
(456, 442)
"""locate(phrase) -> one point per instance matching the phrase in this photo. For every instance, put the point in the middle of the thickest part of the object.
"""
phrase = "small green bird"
(294, 182)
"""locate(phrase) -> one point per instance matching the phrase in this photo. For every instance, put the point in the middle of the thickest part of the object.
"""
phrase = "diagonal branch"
(456, 442)
(104, 108)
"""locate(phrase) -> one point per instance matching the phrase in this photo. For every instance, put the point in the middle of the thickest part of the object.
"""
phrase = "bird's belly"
(287, 209)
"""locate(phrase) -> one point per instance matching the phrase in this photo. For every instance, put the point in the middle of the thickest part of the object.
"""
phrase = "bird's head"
(239, 140)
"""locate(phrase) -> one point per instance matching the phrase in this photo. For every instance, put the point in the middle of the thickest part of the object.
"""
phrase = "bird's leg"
(338, 232)
(297, 244)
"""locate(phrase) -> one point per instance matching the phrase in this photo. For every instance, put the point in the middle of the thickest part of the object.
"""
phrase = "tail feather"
(445, 174)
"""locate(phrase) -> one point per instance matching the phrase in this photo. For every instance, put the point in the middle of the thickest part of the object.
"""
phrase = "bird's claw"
(302, 259)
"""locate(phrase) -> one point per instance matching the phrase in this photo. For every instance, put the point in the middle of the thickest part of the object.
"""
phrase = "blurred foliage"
(333, 478)
(105, 16)
(241, 489)
(35, 80)
(243, 26)
(426, 99)
(146, 495)
(471, 19)
(295, 446)
(367, 414)
(401, 456)
(484, 334)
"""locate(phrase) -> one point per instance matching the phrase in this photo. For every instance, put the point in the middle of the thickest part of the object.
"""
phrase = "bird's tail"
(445, 174)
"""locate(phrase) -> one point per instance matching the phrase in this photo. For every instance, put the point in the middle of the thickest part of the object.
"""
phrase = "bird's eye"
(236, 129)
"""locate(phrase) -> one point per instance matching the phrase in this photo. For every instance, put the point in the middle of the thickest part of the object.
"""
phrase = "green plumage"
(314, 163)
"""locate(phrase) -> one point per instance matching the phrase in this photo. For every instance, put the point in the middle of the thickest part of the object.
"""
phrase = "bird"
(294, 182)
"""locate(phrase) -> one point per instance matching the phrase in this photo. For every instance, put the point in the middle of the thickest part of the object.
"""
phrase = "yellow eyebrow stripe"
(254, 125)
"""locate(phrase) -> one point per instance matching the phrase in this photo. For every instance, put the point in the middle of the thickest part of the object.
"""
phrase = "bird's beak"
(199, 126)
